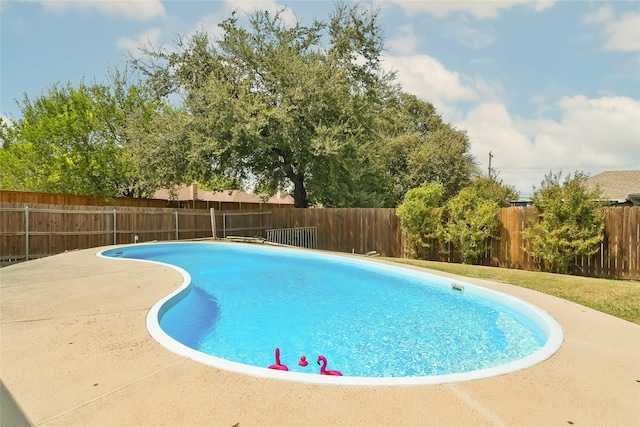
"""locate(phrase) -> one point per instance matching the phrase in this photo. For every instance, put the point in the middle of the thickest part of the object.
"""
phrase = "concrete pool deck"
(74, 350)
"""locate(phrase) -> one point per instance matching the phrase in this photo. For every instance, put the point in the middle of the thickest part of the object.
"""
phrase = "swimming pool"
(377, 323)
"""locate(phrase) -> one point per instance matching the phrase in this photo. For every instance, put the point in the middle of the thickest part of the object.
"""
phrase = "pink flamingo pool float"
(323, 368)
(279, 366)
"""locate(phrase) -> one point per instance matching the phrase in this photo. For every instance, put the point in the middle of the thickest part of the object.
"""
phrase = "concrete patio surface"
(75, 351)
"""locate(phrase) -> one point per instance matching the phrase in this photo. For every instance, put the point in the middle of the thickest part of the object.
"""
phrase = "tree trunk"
(299, 192)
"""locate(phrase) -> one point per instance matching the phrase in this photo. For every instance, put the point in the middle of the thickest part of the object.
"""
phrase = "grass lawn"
(616, 297)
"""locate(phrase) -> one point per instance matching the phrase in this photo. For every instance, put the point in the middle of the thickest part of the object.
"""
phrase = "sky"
(542, 85)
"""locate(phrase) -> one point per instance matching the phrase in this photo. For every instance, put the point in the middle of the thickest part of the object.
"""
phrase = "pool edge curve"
(554, 331)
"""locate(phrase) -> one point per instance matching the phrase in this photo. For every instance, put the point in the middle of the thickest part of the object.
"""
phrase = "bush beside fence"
(618, 257)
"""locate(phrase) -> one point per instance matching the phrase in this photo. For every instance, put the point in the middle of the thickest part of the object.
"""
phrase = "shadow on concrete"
(10, 413)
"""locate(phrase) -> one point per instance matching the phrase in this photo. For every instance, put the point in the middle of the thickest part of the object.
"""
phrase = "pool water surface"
(372, 321)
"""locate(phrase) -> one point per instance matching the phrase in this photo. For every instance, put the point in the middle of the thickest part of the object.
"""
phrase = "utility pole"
(490, 157)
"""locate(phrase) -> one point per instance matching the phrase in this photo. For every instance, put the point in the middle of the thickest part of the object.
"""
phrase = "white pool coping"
(553, 330)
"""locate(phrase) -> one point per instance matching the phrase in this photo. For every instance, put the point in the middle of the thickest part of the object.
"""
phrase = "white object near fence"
(303, 237)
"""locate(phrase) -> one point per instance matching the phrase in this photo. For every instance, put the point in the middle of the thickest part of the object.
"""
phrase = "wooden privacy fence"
(41, 230)
(36, 231)
(364, 230)
(348, 230)
(44, 230)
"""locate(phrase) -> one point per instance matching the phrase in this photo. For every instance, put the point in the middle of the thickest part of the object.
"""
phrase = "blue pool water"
(368, 319)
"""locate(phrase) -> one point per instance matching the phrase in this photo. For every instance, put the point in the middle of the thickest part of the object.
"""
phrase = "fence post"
(26, 233)
(213, 223)
(115, 228)
(176, 225)
(224, 225)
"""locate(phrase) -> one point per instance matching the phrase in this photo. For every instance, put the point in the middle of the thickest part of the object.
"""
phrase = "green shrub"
(570, 221)
(419, 216)
(469, 219)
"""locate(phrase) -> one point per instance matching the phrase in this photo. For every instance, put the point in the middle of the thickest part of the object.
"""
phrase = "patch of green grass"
(615, 297)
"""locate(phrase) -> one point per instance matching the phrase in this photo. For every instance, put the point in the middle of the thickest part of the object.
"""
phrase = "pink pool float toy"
(303, 361)
(323, 368)
(278, 366)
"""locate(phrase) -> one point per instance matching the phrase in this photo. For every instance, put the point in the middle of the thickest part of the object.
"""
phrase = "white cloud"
(466, 35)
(480, 61)
(592, 135)
(589, 134)
(541, 5)
(209, 24)
(271, 6)
(132, 46)
(479, 9)
(428, 78)
(488, 90)
(140, 10)
(7, 120)
(619, 34)
(623, 34)
(604, 130)
(600, 15)
(406, 43)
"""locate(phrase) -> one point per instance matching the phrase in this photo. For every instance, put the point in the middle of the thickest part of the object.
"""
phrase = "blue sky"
(543, 85)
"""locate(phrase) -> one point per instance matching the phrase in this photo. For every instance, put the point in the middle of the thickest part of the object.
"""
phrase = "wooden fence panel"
(348, 230)
(54, 230)
(12, 240)
(613, 233)
(633, 226)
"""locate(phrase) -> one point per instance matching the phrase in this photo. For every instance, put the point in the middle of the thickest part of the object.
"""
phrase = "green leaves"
(275, 103)
(420, 148)
(469, 219)
(63, 143)
(420, 217)
(466, 220)
(570, 221)
(77, 140)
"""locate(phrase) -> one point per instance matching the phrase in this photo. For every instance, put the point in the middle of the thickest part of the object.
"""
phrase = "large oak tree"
(284, 105)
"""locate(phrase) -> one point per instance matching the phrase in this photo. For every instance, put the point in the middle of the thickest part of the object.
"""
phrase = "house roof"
(281, 200)
(186, 192)
(182, 192)
(236, 196)
(616, 185)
